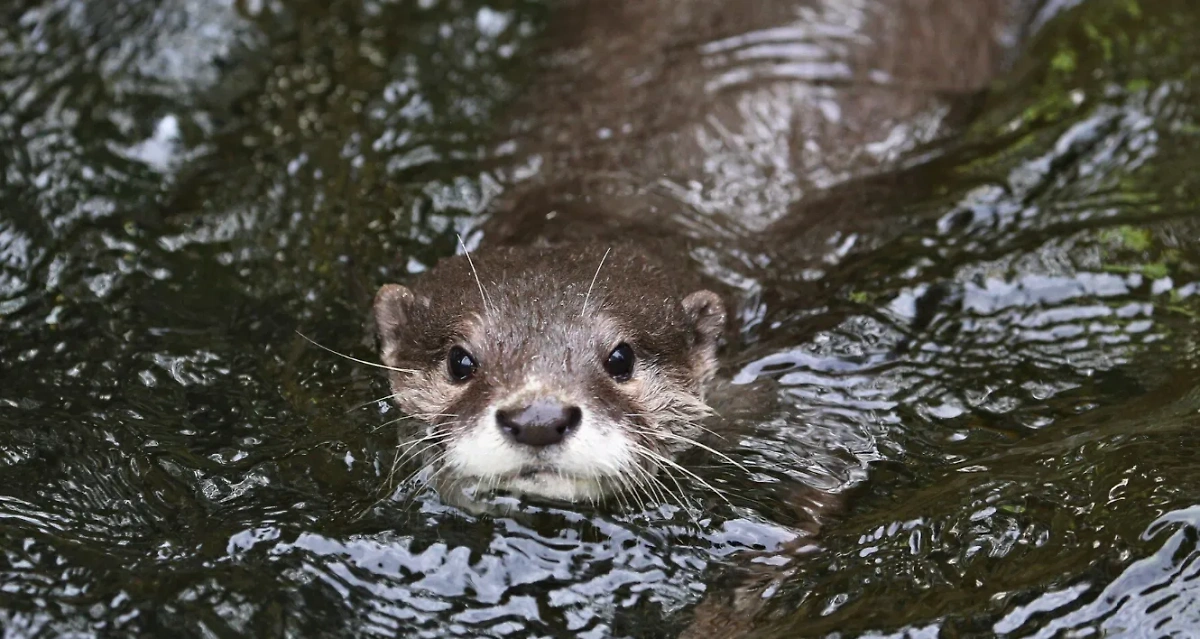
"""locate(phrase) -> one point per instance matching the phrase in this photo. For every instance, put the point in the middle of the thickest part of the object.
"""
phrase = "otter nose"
(541, 423)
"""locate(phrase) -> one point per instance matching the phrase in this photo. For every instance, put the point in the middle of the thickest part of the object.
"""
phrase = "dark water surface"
(1000, 373)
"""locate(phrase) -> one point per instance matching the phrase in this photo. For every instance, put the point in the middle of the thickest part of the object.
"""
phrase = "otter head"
(568, 373)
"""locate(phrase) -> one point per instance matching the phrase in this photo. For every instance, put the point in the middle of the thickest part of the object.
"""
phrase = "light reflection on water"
(993, 362)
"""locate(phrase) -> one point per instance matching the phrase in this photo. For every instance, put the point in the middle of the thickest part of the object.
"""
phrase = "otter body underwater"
(567, 358)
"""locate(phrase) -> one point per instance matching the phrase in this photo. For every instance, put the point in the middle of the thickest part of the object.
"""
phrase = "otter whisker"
(615, 478)
(583, 312)
(654, 459)
(670, 463)
(431, 437)
(679, 496)
(615, 489)
(656, 488)
(686, 420)
(429, 481)
(390, 422)
(402, 454)
(390, 487)
(635, 495)
(640, 483)
(641, 488)
(407, 371)
(373, 402)
(406, 454)
(625, 488)
(652, 483)
(638, 447)
(430, 416)
(475, 491)
(436, 461)
(644, 481)
(487, 302)
(410, 497)
(619, 495)
(692, 442)
(421, 416)
(392, 471)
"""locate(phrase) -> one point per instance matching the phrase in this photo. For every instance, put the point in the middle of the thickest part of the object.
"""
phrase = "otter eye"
(619, 364)
(462, 366)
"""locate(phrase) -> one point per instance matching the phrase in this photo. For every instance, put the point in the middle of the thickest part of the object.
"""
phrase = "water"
(992, 364)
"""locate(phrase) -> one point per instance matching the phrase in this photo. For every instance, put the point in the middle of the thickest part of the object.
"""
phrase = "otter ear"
(393, 303)
(706, 312)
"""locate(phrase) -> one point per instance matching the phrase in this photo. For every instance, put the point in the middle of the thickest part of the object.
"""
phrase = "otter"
(569, 372)
(568, 358)
(571, 357)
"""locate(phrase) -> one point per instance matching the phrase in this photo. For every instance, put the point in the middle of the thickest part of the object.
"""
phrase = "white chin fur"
(573, 470)
(553, 486)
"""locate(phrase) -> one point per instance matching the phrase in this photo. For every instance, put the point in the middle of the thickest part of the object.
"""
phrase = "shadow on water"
(1000, 363)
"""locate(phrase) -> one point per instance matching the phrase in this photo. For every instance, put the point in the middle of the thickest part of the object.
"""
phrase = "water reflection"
(522, 578)
(1154, 592)
(988, 351)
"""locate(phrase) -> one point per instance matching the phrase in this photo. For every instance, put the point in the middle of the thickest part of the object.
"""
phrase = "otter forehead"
(558, 277)
(525, 301)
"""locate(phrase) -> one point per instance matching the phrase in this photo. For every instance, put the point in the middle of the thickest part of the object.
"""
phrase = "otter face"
(546, 376)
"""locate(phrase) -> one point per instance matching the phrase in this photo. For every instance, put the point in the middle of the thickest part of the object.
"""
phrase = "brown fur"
(524, 319)
(658, 76)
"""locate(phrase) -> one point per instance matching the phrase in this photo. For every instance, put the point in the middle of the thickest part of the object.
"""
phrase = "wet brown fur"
(521, 313)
